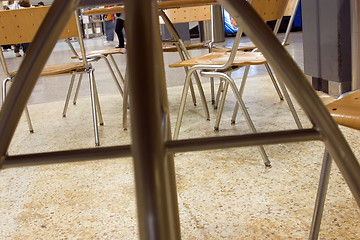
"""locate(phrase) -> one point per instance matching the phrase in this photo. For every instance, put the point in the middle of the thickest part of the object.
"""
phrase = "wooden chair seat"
(245, 46)
(346, 110)
(105, 52)
(58, 69)
(215, 58)
(61, 68)
(167, 47)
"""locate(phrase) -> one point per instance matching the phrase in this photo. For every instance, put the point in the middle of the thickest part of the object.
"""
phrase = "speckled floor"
(223, 194)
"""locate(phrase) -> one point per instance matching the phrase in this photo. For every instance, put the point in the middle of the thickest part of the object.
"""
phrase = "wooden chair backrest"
(188, 14)
(20, 25)
(269, 10)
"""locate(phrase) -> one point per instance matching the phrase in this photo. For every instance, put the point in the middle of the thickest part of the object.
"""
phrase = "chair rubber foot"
(74, 103)
(125, 129)
(213, 102)
(195, 104)
(215, 107)
(282, 99)
(64, 115)
(232, 122)
(268, 165)
(101, 124)
(31, 131)
(216, 129)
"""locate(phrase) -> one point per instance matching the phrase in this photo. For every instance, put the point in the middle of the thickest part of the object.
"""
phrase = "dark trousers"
(119, 32)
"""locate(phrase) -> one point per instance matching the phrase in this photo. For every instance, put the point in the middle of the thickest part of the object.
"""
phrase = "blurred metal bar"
(157, 208)
(28, 73)
(286, 68)
(320, 196)
(200, 144)
(186, 145)
(77, 155)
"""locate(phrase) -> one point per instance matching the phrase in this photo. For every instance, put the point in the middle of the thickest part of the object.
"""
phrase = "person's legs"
(109, 28)
(17, 50)
(119, 32)
(6, 47)
(25, 47)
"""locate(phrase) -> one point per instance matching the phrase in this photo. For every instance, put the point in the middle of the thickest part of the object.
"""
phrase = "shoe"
(18, 54)
(109, 43)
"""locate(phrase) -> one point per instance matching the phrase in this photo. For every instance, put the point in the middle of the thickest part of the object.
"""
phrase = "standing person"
(109, 28)
(24, 4)
(120, 21)
(13, 4)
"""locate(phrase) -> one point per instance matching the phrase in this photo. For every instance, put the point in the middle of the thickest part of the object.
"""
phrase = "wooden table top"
(161, 5)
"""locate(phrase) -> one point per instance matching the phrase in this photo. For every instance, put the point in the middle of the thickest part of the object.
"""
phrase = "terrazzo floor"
(222, 194)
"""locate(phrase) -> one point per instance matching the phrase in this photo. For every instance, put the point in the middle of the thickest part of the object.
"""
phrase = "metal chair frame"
(97, 57)
(152, 148)
(223, 72)
(35, 16)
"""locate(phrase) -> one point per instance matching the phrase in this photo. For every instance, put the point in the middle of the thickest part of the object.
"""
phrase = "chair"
(20, 25)
(290, 11)
(97, 55)
(181, 15)
(221, 65)
(345, 111)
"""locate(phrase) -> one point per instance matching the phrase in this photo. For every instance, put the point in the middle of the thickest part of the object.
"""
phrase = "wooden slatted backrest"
(188, 14)
(20, 25)
(269, 10)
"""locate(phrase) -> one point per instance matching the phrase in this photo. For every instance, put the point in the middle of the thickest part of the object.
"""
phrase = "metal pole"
(154, 172)
(286, 68)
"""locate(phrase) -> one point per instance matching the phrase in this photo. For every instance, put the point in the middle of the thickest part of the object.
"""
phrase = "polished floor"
(223, 194)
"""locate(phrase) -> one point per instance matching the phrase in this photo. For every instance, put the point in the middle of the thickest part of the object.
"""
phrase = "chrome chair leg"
(212, 91)
(241, 91)
(4, 88)
(182, 103)
(192, 91)
(290, 104)
(221, 108)
(113, 75)
(77, 89)
(218, 94)
(97, 101)
(27, 114)
(229, 80)
(202, 96)
(68, 94)
(93, 107)
(125, 102)
(320, 196)
(268, 69)
(117, 69)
